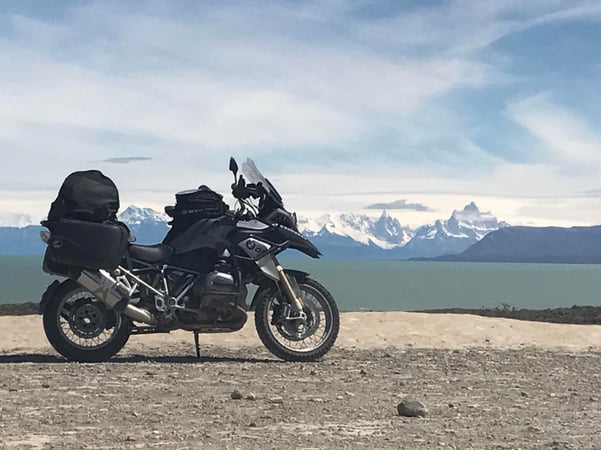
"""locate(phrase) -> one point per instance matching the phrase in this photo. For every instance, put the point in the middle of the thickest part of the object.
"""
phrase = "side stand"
(196, 344)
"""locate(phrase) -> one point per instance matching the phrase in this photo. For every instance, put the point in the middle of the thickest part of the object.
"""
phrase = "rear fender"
(49, 293)
(269, 285)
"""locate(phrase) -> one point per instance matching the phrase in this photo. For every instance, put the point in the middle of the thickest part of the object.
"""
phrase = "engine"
(217, 304)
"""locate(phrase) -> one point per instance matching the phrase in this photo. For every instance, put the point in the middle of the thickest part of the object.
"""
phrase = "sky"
(425, 105)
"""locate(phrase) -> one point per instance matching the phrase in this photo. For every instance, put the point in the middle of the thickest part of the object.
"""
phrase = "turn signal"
(45, 236)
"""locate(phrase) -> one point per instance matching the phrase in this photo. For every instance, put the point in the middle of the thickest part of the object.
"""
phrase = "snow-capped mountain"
(462, 229)
(384, 232)
(348, 236)
(149, 226)
(134, 215)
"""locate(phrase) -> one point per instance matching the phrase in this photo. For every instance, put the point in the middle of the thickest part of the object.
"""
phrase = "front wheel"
(294, 339)
(81, 328)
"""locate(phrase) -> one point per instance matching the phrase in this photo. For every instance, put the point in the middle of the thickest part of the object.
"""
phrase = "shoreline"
(358, 331)
(575, 315)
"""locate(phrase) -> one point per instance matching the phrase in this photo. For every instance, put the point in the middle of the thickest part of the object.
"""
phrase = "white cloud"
(189, 87)
(567, 139)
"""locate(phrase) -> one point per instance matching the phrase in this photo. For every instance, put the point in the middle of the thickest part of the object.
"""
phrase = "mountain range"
(343, 236)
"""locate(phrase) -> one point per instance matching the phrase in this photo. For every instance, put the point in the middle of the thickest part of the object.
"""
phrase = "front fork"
(270, 266)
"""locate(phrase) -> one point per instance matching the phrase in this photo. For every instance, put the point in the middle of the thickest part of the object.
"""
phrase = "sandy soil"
(487, 383)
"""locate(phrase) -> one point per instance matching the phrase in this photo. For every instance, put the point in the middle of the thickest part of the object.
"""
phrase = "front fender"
(269, 284)
(299, 242)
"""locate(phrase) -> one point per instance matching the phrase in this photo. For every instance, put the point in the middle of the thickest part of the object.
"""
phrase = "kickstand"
(196, 344)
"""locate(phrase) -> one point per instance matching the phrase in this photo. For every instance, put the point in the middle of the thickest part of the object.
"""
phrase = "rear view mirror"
(233, 166)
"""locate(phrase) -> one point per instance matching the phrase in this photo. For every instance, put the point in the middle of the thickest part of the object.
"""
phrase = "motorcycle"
(197, 279)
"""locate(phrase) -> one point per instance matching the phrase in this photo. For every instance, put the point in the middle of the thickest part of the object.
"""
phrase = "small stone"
(451, 405)
(130, 438)
(412, 408)
(251, 397)
(312, 373)
(156, 432)
(339, 397)
(45, 385)
(363, 372)
(236, 395)
(253, 425)
(524, 394)
(276, 400)
(349, 394)
(135, 414)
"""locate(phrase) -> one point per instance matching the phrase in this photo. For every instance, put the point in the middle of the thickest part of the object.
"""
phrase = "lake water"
(395, 285)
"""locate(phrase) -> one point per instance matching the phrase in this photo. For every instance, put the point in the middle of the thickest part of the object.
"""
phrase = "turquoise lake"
(394, 285)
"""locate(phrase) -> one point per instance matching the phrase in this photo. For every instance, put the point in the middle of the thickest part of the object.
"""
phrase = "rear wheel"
(298, 339)
(81, 328)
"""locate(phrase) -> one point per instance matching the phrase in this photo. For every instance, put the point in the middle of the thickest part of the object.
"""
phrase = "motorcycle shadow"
(20, 358)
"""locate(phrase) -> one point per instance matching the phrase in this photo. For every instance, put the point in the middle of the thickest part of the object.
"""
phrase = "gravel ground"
(475, 398)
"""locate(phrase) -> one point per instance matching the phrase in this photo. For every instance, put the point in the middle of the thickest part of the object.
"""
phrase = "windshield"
(253, 175)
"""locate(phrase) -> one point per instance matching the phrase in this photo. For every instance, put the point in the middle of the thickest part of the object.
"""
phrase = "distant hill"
(21, 241)
(581, 245)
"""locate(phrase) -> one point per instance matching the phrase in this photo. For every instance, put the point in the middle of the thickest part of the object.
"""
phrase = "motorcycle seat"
(151, 253)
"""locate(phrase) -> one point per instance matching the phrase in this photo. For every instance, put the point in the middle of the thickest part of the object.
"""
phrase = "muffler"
(108, 290)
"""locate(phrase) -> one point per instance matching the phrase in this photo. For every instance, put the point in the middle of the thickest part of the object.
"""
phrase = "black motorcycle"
(196, 280)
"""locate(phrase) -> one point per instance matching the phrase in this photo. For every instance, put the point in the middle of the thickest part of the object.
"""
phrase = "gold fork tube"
(297, 301)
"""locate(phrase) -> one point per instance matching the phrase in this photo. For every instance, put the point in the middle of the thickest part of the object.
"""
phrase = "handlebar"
(243, 191)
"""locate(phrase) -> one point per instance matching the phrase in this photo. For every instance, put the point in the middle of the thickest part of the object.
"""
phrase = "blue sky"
(343, 104)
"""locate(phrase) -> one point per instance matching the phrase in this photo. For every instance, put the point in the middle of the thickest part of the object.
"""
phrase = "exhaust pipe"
(106, 289)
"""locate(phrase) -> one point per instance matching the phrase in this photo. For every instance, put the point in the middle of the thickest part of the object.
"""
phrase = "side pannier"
(85, 245)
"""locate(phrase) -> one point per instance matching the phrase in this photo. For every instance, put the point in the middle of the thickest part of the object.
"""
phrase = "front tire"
(282, 336)
(81, 328)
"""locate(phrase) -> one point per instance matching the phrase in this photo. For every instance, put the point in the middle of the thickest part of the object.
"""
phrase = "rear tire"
(279, 338)
(74, 321)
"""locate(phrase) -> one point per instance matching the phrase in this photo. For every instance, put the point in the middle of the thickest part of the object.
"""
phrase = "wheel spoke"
(317, 328)
(82, 321)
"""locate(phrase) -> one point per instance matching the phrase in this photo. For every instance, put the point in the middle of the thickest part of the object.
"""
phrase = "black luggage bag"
(83, 224)
(88, 195)
(193, 205)
(85, 245)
